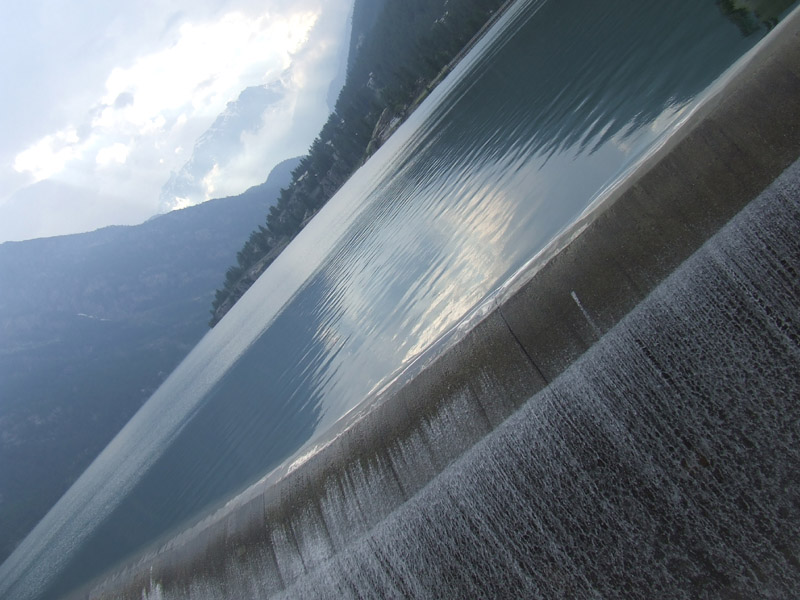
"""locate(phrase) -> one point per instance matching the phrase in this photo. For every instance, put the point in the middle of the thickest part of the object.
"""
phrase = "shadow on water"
(751, 16)
(543, 96)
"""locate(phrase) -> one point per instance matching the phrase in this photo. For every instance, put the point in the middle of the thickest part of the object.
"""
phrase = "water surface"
(556, 103)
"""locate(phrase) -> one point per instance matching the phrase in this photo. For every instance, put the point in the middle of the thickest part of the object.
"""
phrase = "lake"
(552, 107)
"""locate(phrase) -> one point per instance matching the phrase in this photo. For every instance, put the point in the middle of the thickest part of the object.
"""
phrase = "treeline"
(397, 49)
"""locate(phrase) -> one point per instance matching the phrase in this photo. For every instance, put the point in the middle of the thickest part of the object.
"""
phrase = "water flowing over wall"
(662, 462)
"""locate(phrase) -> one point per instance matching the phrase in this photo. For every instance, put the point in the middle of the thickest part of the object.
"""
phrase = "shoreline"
(390, 121)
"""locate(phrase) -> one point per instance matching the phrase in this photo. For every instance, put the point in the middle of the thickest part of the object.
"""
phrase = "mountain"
(399, 50)
(219, 144)
(90, 325)
(365, 15)
(342, 62)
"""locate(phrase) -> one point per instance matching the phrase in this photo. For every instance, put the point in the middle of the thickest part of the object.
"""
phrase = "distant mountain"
(342, 62)
(365, 15)
(90, 325)
(221, 143)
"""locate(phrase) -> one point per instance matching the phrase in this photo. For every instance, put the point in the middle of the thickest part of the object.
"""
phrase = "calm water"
(553, 106)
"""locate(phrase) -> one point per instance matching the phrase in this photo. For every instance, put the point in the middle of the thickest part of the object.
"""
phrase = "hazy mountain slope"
(90, 324)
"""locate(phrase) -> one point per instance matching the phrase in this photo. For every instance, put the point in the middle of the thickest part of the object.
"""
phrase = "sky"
(102, 102)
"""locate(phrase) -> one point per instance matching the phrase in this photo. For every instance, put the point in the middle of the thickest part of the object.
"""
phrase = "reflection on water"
(522, 142)
(558, 101)
(753, 15)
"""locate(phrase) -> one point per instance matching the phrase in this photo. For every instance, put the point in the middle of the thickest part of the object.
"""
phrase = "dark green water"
(547, 111)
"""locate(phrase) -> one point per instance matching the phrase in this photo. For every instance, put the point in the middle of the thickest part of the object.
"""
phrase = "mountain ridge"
(90, 324)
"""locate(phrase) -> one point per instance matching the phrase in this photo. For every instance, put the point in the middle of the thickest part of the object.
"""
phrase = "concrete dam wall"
(622, 420)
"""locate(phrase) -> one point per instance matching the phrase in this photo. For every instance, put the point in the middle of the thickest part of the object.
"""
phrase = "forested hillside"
(398, 48)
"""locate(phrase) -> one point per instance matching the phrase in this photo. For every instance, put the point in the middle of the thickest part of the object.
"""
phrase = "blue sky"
(102, 101)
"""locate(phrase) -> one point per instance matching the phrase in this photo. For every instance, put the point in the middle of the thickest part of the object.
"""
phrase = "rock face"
(219, 144)
(90, 325)
(388, 122)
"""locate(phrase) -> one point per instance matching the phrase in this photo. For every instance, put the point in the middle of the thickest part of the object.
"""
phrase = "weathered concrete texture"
(738, 142)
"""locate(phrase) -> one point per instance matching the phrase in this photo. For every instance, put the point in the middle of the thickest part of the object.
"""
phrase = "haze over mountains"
(219, 145)
(90, 325)
(105, 101)
(226, 141)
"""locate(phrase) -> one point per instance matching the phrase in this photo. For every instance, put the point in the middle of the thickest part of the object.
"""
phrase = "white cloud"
(116, 153)
(210, 182)
(181, 203)
(279, 138)
(140, 88)
(192, 78)
(49, 155)
(202, 71)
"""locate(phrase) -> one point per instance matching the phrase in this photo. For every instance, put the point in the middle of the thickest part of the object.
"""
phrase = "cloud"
(210, 182)
(193, 77)
(221, 143)
(142, 91)
(123, 100)
(202, 70)
(49, 155)
(116, 153)
(258, 131)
